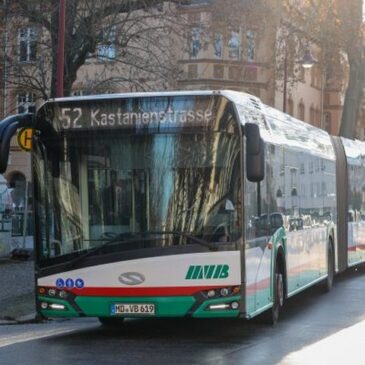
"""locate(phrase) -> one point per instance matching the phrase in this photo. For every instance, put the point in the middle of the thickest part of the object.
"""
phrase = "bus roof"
(237, 97)
(276, 127)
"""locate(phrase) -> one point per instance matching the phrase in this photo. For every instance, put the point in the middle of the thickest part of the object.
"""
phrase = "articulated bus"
(186, 204)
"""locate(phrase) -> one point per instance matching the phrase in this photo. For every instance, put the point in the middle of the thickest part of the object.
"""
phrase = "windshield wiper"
(197, 240)
(137, 237)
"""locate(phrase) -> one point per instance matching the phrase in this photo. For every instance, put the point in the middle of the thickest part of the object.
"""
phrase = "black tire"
(111, 321)
(328, 283)
(273, 314)
(278, 297)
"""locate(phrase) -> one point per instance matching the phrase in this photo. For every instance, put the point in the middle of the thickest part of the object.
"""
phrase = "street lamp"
(307, 62)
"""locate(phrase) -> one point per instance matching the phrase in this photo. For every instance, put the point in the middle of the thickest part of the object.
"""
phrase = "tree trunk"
(353, 97)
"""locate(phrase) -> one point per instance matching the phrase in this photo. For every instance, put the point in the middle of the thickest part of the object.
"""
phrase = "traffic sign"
(25, 139)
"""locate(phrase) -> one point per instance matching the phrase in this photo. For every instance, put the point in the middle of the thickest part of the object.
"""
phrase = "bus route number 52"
(70, 118)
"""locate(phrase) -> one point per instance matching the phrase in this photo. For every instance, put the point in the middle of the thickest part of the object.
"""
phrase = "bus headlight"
(57, 306)
(235, 305)
(62, 294)
(211, 293)
(52, 292)
(224, 292)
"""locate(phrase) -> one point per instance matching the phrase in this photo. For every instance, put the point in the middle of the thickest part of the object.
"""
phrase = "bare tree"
(129, 42)
(336, 26)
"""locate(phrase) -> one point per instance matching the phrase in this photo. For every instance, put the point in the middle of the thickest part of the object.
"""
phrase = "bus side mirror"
(255, 153)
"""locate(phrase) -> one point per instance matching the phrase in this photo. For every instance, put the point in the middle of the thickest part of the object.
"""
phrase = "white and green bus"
(185, 204)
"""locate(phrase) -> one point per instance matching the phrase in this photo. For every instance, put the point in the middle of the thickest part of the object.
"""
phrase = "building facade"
(211, 53)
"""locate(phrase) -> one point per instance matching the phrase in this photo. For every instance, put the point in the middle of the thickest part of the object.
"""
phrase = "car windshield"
(91, 187)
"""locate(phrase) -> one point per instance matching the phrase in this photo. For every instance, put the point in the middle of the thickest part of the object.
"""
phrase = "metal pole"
(323, 81)
(5, 39)
(285, 78)
(25, 213)
(60, 49)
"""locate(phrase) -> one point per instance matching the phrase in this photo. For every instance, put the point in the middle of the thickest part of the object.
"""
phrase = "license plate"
(134, 308)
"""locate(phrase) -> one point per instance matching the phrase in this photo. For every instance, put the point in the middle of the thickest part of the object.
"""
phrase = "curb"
(28, 318)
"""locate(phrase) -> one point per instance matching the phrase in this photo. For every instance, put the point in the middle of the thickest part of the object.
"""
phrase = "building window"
(195, 42)
(77, 93)
(251, 46)
(303, 191)
(250, 73)
(312, 76)
(234, 73)
(25, 102)
(107, 49)
(327, 125)
(315, 78)
(290, 107)
(318, 117)
(234, 44)
(192, 71)
(327, 99)
(218, 45)
(301, 74)
(27, 44)
(218, 72)
(324, 189)
(301, 111)
(316, 165)
(312, 115)
(323, 165)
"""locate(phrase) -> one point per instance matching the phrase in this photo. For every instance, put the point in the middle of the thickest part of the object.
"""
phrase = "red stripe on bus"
(358, 247)
(140, 292)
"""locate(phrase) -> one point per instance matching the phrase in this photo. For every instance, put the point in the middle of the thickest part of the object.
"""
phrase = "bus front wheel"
(272, 316)
(278, 297)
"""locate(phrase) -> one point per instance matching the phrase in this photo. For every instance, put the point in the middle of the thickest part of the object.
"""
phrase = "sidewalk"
(17, 300)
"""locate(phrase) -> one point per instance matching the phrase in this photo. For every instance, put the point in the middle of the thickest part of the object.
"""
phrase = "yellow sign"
(25, 139)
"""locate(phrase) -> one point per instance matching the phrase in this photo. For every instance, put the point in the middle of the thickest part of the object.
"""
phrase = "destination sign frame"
(135, 113)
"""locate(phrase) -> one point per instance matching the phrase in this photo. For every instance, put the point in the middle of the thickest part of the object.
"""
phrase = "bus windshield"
(95, 186)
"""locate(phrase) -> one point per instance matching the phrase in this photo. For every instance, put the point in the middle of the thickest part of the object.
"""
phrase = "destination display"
(136, 113)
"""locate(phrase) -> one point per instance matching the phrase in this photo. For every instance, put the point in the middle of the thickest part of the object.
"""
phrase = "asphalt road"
(315, 329)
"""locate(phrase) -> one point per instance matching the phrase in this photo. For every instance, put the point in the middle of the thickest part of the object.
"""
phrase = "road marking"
(25, 337)
(345, 346)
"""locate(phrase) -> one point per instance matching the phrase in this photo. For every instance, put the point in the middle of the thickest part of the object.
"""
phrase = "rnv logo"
(207, 272)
